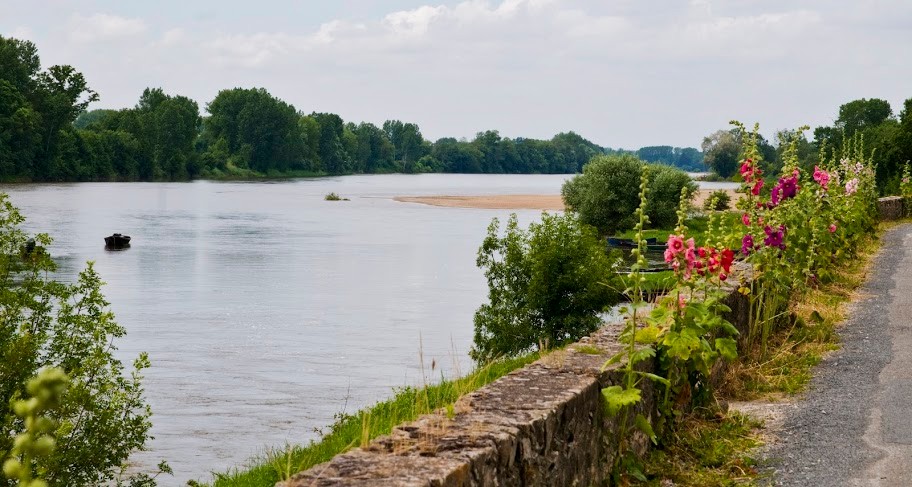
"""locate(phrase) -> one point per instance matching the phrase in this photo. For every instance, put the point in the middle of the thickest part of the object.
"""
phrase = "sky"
(622, 73)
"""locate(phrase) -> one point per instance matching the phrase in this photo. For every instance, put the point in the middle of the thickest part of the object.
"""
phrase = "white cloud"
(103, 27)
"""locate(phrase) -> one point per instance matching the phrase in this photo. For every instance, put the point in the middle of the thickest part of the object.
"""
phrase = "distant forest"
(47, 133)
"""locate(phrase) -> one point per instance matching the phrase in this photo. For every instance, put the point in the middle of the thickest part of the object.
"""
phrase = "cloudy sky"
(623, 73)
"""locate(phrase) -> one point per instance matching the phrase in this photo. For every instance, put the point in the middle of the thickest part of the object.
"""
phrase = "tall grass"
(350, 431)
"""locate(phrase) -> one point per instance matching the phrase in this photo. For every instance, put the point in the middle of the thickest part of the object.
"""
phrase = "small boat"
(117, 241)
(652, 244)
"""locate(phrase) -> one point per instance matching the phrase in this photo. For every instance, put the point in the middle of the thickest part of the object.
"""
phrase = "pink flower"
(832, 228)
(745, 219)
(757, 186)
(822, 177)
(681, 301)
(669, 255)
(675, 244)
(852, 186)
(723, 276)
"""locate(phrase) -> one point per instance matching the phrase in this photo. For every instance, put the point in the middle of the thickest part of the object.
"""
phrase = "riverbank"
(553, 202)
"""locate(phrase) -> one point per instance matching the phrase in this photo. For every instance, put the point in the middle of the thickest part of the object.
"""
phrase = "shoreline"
(552, 202)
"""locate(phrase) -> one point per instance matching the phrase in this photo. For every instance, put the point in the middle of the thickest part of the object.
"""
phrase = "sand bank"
(518, 201)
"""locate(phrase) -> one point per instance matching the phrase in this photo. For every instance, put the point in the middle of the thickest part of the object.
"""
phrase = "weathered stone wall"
(542, 425)
(891, 208)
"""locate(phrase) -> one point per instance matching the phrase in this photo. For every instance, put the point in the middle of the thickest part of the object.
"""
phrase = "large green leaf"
(617, 397)
(727, 347)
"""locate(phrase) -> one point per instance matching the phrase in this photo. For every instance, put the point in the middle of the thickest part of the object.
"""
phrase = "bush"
(605, 194)
(44, 323)
(718, 200)
(546, 285)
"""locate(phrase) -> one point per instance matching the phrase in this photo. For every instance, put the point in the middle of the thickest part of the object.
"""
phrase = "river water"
(266, 310)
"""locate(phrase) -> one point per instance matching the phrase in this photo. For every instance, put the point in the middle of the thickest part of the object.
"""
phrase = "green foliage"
(46, 134)
(45, 323)
(334, 197)
(601, 194)
(720, 153)
(686, 159)
(718, 200)
(348, 430)
(545, 286)
(37, 439)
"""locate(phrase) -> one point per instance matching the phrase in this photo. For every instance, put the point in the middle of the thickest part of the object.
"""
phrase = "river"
(266, 310)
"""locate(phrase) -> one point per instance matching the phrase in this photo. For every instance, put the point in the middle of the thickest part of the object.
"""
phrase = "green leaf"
(642, 354)
(613, 360)
(618, 397)
(656, 378)
(727, 347)
(649, 334)
(643, 425)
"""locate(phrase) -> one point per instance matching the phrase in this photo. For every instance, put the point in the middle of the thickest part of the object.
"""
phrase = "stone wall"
(542, 425)
(892, 208)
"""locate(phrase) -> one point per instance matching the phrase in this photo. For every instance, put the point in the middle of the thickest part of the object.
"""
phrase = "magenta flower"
(774, 238)
(786, 188)
(747, 244)
(832, 228)
(757, 186)
(745, 219)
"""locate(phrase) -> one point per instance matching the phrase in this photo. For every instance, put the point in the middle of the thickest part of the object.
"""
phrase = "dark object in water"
(117, 241)
(652, 244)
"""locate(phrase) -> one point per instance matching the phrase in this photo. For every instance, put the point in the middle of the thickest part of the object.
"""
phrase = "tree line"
(47, 133)
(870, 122)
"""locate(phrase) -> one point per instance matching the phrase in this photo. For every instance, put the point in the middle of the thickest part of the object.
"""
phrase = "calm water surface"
(265, 309)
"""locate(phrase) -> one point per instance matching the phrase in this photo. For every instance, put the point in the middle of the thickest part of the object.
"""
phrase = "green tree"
(721, 152)
(545, 285)
(602, 197)
(859, 114)
(260, 132)
(45, 323)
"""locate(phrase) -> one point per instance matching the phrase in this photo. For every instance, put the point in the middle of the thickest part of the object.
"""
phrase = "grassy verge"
(713, 451)
(718, 450)
(350, 431)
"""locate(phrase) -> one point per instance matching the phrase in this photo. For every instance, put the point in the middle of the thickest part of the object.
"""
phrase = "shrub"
(45, 323)
(334, 197)
(605, 195)
(546, 285)
(718, 200)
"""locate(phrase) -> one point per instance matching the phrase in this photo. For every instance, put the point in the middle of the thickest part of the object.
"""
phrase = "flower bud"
(12, 468)
(44, 446)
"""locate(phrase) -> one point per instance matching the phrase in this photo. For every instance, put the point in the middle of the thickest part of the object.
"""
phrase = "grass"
(705, 451)
(350, 431)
